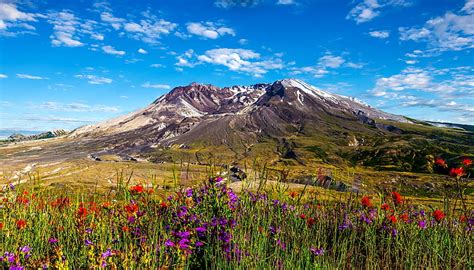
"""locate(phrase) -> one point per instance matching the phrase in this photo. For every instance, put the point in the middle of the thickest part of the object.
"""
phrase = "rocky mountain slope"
(287, 122)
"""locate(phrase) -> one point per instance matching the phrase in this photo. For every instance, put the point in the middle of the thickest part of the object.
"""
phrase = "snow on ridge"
(309, 89)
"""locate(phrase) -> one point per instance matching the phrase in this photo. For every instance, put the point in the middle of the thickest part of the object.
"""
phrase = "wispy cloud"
(30, 77)
(452, 31)
(92, 79)
(209, 30)
(142, 51)
(111, 50)
(12, 17)
(367, 10)
(156, 86)
(380, 34)
(325, 64)
(236, 3)
(3, 76)
(150, 28)
(75, 107)
(241, 60)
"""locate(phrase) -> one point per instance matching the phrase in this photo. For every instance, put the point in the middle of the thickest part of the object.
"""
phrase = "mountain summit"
(287, 120)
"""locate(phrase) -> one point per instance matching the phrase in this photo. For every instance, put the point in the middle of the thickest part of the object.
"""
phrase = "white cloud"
(3, 76)
(30, 77)
(156, 65)
(112, 50)
(184, 60)
(156, 86)
(142, 51)
(379, 34)
(241, 60)
(92, 79)
(286, 2)
(236, 3)
(325, 64)
(209, 30)
(11, 17)
(331, 61)
(68, 29)
(448, 32)
(366, 10)
(114, 21)
(243, 41)
(150, 28)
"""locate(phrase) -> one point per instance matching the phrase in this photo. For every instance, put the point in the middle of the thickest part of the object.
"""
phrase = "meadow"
(209, 226)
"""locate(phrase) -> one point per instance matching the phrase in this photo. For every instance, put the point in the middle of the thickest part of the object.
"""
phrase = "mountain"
(287, 122)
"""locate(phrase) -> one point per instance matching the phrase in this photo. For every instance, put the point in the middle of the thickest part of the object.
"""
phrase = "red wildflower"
(150, 191)
(438, 215)
(293, 194)
(457, 172)
(81, 212)
(311, 221)
(163, 204)
(404, 217)
(366, 202)
(131, 208)
(61, 203)
(441, 162)
(303, 216)
(392, 219)
(385, 207)
(397, 198)
(21, 224)
(125, 229)
(22, 200)
(466, 162)
(137, 189)
(1, 225)
(462, 218)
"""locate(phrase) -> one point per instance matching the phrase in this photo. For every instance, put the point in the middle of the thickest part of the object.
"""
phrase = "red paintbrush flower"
(385, 207)
(366, 201)
(163, 204)
(441, 162)
(131, 208)
(21, 224)
(137, 189)
(438, 215)
(81, 212)
(466, 162)
(392, 219)
(397, 198)
(302, 216)
(311, 221)
(1, 226)
(293, 194)
(404, 217)
(457, 172)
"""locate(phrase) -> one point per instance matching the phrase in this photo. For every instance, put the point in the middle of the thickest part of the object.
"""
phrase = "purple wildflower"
(317, 251)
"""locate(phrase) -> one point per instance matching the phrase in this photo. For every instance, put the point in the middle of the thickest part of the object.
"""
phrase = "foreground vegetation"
(209, 226)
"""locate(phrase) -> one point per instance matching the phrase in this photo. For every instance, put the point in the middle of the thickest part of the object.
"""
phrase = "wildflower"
(163, 204)
(394, 232)
(1, 225)
(317, 251)
(137, 189)
(466, 162)
(441, 162)
(422, 224)
(88, 242)
(81, 212)
(438, 215)
(25, 249)
(169, 243)
(404, 217)
(131, 208)
(457, 172)
(397, 198)
(21, 224)
(302, 216)
(189, 192)
(199, 244)
(462, 218)
(385, 207)
(107, 254)
(311, 221)
(125, 229)
(293, 194)
(392, 219)
(366, 202)
(53, 240)
(106, 205)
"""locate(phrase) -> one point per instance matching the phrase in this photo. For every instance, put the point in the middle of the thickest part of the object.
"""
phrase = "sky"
(64, 64)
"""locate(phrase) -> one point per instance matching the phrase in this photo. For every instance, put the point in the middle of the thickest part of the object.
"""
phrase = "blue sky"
(64, 64)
